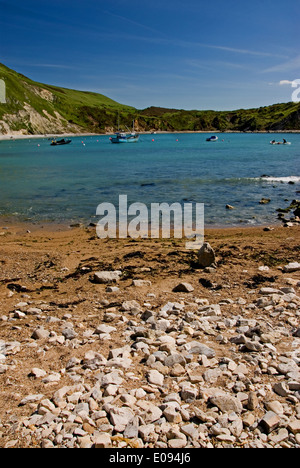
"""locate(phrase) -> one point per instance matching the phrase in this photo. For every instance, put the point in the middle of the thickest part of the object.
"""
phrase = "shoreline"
(74, 135)
(6, 224)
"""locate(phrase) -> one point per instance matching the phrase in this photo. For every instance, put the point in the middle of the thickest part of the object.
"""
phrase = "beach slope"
(160, 353)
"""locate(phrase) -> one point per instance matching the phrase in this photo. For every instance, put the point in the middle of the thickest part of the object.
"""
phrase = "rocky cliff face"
(30, 121)
(34, 108)
(291, 122)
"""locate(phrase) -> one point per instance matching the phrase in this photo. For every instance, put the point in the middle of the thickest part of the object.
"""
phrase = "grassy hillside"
(271, 118)
(33, 108)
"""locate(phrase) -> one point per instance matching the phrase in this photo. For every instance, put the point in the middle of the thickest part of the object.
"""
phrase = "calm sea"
(61, 184)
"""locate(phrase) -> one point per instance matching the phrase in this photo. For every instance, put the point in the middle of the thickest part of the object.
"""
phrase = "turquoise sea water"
(61, 184)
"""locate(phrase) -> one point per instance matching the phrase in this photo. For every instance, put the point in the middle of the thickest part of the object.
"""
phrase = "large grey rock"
(121, 417)
(155, 377)
(293, 266)
(174, 358)
(227, 403)
(149, 411)
(106, 277)
(131, 306)
(270, 421)
(132, 429)
(297, 333)
(69, 333)
(40, 334)
(104, 329)
(31, 399)
(200, 348)
(113, 378)
(206, 255)
(102, 440)
(183, 287)
(189, 392)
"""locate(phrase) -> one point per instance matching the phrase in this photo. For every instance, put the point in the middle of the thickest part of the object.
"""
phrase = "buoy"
(152, 139)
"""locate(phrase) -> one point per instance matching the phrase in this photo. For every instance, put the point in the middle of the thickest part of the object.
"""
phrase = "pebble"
(187, 372)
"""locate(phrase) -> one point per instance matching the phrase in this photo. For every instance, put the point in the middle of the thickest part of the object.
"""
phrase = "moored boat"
(60, 142)
(125, 137)
(212, 138)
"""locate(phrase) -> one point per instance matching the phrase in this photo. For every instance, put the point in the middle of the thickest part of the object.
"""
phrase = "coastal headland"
(32, 108)
(136, 343)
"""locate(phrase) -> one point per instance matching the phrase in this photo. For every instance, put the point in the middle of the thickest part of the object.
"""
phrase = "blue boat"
(123, 137)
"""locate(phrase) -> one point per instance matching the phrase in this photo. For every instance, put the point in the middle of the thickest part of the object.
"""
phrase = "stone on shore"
(40, 334)
(183, 287)
(206, 256)
(227, 403)
(107, 277)
(270, 421)
(293, 266)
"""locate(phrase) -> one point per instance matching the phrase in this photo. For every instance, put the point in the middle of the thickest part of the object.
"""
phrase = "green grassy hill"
(278, 117)
(35, 108)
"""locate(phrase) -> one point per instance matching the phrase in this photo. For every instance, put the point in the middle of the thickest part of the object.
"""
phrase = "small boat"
(212, 138)
(60, 142)
(123, 137)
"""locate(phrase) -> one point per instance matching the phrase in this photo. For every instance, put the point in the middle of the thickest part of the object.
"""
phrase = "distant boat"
(212, 138)
(60, 142)
(125, 137)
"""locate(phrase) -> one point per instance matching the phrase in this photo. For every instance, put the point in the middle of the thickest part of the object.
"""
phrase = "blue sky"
(190, 54)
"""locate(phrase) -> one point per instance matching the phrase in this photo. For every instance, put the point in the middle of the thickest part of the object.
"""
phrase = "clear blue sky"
(189, 54)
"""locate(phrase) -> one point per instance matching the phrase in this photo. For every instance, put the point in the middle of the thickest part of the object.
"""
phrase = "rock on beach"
(206, 256)
(107, 277)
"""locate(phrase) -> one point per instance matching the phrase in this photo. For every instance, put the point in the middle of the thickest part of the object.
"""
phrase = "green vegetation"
(61, 110)
(270, 118)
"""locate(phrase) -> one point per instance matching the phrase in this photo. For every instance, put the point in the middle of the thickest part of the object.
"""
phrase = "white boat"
(212, 138)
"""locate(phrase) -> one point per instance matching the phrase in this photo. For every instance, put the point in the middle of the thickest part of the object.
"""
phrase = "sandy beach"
(20, 136)
(160, 354)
